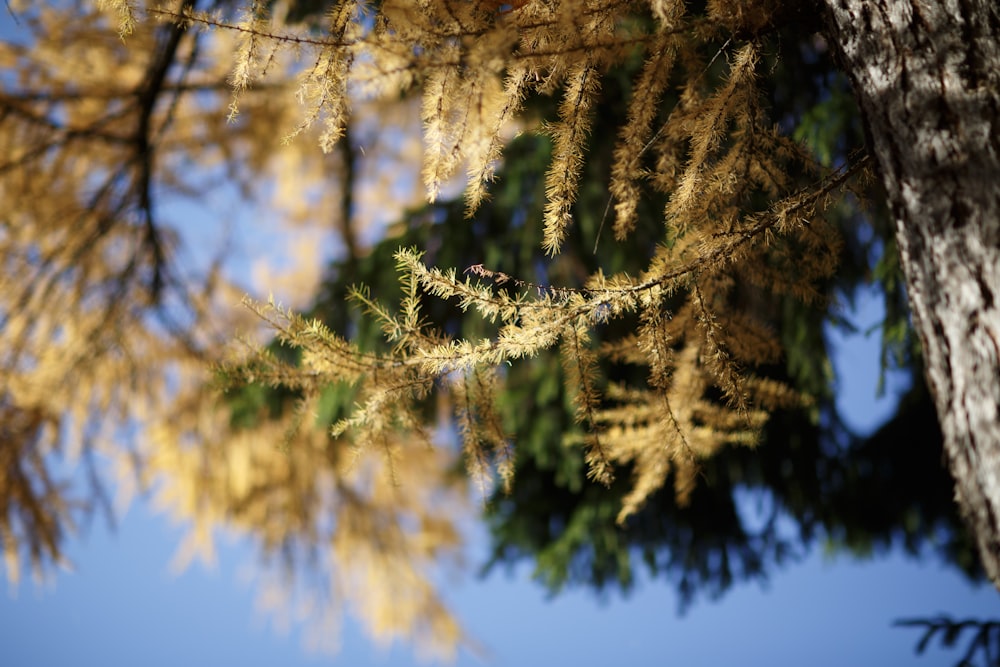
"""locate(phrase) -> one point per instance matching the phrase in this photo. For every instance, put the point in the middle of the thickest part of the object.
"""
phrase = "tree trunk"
(926, 74)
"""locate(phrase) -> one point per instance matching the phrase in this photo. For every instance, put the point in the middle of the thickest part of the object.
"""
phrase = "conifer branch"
(580, 364)
(568, 137)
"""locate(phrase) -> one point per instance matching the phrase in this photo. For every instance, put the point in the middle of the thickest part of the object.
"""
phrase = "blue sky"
(124, 607)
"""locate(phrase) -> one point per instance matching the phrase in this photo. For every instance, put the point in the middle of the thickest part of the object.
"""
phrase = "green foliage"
(984, 640)
(834, 487)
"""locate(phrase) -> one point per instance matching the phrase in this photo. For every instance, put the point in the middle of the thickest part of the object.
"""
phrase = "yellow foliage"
(108, 336)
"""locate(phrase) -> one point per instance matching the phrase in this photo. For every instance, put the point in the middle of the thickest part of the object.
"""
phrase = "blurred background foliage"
(811, 482)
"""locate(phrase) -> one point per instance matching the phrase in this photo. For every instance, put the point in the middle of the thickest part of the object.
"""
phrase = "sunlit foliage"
(115, 308)
(113, 108)
(735, 220)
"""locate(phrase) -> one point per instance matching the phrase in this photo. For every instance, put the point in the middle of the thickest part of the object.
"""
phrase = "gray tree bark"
(926, 74)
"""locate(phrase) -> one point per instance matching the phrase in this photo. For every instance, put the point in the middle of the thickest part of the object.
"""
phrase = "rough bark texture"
(926, 74)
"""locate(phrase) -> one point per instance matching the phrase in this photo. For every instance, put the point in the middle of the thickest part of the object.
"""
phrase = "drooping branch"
(147, 100)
